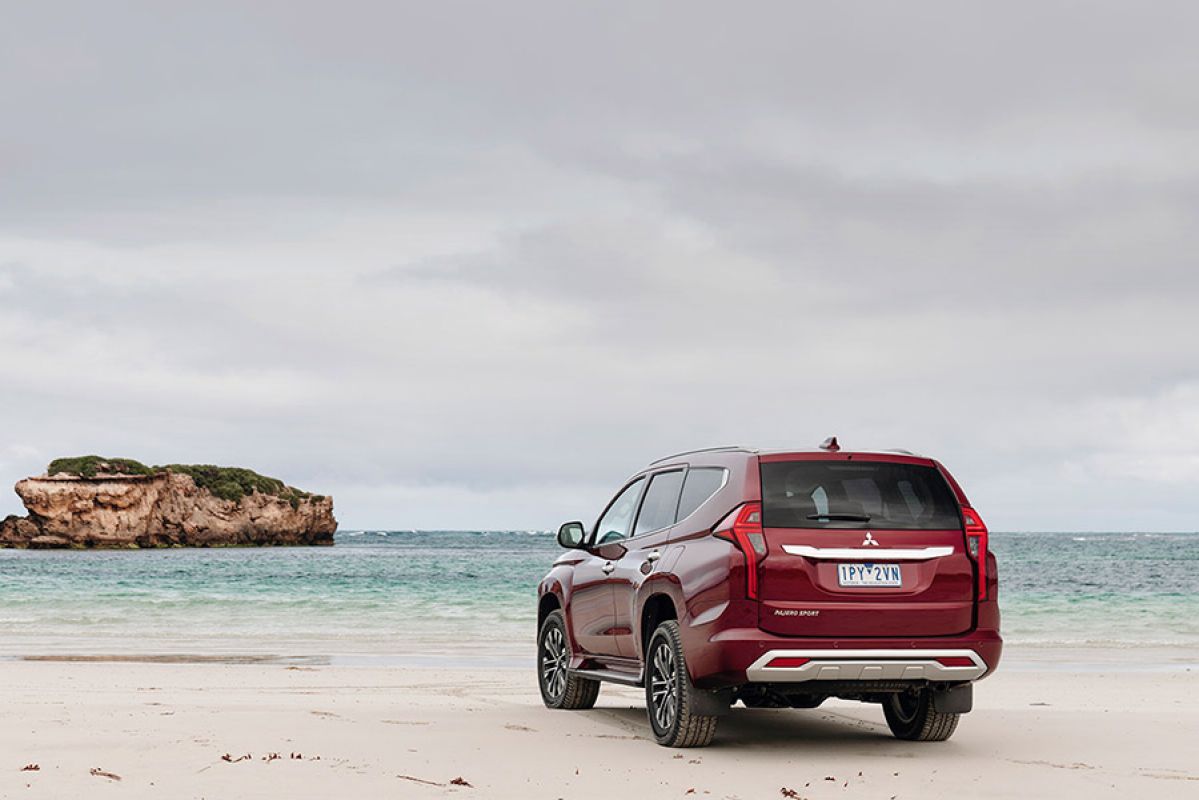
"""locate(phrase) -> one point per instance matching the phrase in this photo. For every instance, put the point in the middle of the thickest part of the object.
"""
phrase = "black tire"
(911, 716)
(560, 688)
(669, 696)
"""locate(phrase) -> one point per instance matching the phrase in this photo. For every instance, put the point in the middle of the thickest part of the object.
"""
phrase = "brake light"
(745, 531)
(976, 543)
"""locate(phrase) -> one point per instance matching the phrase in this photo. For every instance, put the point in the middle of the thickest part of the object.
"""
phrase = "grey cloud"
(1039, 241)
(392, 100)
(454, 258)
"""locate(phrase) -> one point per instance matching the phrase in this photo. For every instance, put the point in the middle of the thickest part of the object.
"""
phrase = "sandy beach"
(214, 730)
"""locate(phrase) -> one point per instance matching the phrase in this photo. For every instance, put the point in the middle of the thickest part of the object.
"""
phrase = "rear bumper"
(736, 656)
(798, 666)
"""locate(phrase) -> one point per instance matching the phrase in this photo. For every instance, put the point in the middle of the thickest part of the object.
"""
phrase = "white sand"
(164, 727)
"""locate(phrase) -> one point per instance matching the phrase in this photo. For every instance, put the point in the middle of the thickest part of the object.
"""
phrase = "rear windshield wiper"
(835, 517)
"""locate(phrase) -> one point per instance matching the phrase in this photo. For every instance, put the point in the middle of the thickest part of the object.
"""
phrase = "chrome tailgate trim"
(872, 554)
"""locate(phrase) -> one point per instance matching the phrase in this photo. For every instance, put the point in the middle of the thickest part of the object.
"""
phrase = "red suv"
(780, 579)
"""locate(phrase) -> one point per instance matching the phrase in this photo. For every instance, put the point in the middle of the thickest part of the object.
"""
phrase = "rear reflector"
(956, 661)
(783, 662)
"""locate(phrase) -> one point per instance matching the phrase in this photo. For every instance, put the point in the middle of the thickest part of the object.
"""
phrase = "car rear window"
(856, 494)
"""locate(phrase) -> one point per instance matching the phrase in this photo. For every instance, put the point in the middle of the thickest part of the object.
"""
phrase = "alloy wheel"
(554, 662)
(664, 686)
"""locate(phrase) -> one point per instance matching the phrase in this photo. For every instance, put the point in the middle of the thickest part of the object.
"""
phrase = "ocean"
(419, 596)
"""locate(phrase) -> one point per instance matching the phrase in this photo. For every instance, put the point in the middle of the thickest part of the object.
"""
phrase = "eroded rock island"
(120, 503)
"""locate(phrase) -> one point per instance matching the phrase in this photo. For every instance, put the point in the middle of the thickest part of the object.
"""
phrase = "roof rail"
(727, 448)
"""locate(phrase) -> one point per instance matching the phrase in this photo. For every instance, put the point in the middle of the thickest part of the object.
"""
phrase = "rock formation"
(165, 507)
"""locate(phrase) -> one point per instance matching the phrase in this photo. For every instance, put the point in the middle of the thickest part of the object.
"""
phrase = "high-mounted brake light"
(976, 542)
(745, 531)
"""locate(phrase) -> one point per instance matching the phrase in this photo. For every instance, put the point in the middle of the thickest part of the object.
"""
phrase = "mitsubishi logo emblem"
(869, 540)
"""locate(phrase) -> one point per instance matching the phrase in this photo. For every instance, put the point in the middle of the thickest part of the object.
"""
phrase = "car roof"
(783, 451)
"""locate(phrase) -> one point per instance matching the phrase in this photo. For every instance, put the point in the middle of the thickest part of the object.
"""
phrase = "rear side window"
(701, 483)
(856, 494)
(661, 500)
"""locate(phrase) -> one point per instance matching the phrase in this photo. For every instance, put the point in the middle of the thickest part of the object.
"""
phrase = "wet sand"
(99, 728)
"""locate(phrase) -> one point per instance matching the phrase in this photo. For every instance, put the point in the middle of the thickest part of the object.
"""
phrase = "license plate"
(869, 575)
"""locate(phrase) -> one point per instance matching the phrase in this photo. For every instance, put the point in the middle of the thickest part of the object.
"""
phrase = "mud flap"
(711, 704)
(954, 700)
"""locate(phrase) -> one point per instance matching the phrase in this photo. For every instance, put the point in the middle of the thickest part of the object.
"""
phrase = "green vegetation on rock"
(227, 483)
(88, 466)
(234, 483)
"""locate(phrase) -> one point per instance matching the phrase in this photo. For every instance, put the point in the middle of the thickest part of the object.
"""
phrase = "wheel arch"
(659, 606)
(548, 604)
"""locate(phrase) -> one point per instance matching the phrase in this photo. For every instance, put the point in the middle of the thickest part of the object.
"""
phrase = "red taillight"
(789, 661)
(745, 531)
(956, 661)
(976, 542)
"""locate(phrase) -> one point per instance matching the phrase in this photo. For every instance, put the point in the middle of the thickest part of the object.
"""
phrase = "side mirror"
(571, 535)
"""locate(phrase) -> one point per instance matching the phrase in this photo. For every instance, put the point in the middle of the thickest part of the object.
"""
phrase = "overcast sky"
(468, 265)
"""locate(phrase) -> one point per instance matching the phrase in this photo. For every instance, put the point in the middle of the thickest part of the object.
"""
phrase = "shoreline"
(1016, 658)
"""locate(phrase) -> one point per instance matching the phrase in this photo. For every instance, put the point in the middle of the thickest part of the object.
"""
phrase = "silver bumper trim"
(873, 554)
(866, 665)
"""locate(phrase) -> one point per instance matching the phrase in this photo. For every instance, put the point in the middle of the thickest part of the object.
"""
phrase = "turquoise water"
(1099, 589)
(419, 594)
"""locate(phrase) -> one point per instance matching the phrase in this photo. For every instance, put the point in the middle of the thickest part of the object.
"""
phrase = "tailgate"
(862, 547)
(802, 592)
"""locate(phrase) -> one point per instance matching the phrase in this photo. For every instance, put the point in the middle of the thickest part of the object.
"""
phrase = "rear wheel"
(559, 688)
(670, 698)
(911, 716)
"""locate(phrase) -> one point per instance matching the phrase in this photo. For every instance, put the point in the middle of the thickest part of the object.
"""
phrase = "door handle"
(608, 567)
(652, 556)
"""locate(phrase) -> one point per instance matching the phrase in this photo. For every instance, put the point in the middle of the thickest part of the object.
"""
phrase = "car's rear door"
(642, 552)
(861, 545)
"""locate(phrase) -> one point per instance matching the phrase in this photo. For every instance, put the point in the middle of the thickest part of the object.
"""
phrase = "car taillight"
(976, 542)
(744, 529)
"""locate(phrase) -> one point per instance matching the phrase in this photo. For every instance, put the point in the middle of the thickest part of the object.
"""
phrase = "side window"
(661, 501)
(701, 483)
(615, 523)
